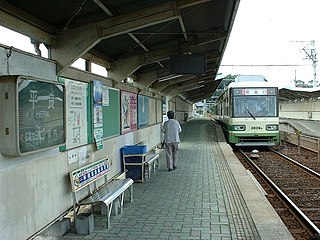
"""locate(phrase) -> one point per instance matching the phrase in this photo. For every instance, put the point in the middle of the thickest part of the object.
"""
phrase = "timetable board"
(78, 125)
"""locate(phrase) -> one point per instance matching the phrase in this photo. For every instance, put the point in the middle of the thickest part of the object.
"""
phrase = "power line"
(312, 55)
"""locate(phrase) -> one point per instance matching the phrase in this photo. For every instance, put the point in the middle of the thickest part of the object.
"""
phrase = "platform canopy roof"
(132, 38)
(286, 94)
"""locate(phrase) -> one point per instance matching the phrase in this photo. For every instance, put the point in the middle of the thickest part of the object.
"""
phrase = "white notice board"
(76, 113)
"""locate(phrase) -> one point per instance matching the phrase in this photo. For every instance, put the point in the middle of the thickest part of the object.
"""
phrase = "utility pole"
(311, 53)
(313, 57)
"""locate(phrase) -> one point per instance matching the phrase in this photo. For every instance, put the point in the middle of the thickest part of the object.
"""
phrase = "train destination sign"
(254, 91)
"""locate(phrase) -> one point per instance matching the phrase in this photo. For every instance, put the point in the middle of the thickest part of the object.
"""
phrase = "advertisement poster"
(97, 113)
(97, 93)
(87, 174)
(128, 112)
(97, 117)
(105, 96)
(98, 134)
(143, 111)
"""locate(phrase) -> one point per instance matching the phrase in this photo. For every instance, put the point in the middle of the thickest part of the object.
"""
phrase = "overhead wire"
(166, 25)
(74, 15)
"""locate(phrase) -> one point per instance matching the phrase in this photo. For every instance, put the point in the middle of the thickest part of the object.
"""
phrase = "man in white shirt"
(171, 129)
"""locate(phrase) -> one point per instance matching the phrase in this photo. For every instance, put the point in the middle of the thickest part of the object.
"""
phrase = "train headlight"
(239, 127)
(272, 127)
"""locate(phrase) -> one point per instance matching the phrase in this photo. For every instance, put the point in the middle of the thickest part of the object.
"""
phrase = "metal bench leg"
(146, 170)
(149, 176)
(147, 166)
(121, 201)
(109, 209)
(106, 210)
(131, 192)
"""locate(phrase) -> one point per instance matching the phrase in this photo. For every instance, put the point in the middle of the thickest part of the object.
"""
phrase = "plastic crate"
(134, 172)
(136, 149)
(133, 159)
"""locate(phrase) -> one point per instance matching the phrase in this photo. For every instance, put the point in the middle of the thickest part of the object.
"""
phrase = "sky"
(19, 41)
(11, 38)
(273, 32)
(269, 33)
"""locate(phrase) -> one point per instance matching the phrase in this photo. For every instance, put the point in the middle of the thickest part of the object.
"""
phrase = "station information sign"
(36, 120)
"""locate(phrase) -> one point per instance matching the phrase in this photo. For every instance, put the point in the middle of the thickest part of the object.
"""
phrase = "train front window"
(254, 105)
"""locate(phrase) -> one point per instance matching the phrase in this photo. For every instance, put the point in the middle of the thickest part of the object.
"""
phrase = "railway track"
(291, 188)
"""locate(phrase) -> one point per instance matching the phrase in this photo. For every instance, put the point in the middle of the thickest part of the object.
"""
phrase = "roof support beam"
(104, 8)
(160, 86)
(172, 94)
(73, 43)
(147, 79)
(181, 86)
(164, 54)
(86, 37)
(178, 91)
(110, 14)
(183, 28)
(122, 69)
(39, 31)
(174, 90)
(153, 57)
(138, 42)
(191, 3)
(151, 78)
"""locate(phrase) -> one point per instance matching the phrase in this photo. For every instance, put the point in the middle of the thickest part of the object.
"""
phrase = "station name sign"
(34, 114)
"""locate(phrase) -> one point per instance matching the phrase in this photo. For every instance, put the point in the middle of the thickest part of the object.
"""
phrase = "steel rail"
(312, 229)
(310, 171)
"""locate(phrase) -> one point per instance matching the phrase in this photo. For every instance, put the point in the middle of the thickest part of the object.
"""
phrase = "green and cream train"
(249, 113)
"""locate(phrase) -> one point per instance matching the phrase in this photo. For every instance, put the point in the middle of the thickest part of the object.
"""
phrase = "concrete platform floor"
(209, 196)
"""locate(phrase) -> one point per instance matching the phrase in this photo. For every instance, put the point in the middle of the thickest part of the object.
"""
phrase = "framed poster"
(143, 111)
(128, 112)
(152, 111)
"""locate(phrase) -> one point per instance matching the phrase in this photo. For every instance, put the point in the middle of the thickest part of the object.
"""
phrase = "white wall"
(183, 110)
(35, 189)
(21, 63)
(300, 110)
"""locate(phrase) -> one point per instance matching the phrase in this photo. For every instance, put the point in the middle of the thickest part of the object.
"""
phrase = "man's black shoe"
(174, 168)
(169, 170)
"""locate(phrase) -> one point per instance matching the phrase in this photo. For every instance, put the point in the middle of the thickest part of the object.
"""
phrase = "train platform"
(306, 127)
(209, 196)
